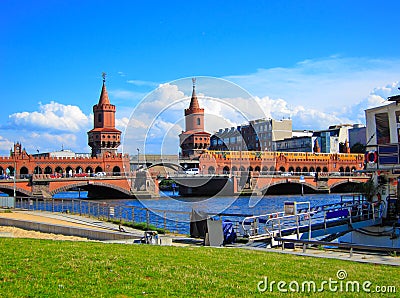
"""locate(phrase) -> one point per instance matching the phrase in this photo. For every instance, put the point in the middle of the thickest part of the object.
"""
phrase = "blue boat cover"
(229, 232)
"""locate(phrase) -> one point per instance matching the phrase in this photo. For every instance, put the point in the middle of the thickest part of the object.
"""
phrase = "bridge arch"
(344, 186)
(48, 170)
(226, 170)
(84, 185)
(281, 187)
(69, 171)
(23, 171)
(10, 170)
(211, 170)
(9, 190)
(38, 170)
(116, 171)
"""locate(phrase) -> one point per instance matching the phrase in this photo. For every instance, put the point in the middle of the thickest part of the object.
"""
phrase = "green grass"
(42, 268)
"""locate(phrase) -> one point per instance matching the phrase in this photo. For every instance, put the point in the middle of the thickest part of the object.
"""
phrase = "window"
(382, 128)
(99, 118)
(398, 125)
(198, 121)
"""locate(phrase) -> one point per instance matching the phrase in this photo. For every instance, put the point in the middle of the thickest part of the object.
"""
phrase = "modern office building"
(257, 135)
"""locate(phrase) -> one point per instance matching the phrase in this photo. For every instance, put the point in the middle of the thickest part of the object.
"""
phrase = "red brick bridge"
(139, 185)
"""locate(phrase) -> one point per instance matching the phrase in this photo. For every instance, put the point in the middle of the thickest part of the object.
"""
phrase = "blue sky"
(318, 62)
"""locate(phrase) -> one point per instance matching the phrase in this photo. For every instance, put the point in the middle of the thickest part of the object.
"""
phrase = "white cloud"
(142, 83)
(126, 95)
(122, 123)
(52, 116)
(5, 144)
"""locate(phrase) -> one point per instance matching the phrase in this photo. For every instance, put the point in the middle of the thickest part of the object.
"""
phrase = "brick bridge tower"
(104, 138)
(194, 140)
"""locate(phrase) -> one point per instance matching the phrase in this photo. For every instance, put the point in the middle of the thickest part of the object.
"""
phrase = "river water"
(173, 212)
(233, 205)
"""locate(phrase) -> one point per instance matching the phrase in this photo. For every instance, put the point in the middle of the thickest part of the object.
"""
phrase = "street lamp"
(138, 151)
(14, 185)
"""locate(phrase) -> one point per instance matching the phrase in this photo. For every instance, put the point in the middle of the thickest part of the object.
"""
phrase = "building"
(357, 135)
(382, 156)
(257, 135)
(62, 153)
(227, 139)
(383, 127)
(104, 138)
(295, 144)
(335, 139)
(194, 140)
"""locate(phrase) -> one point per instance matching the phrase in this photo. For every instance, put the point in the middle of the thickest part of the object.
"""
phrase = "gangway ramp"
(308, 223)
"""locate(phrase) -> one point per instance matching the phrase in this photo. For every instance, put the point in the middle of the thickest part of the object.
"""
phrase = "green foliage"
(138, 225)
(45, 268)
(5, 211)
(166, 182)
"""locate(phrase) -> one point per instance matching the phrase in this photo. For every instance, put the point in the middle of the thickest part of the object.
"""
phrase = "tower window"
(198, 121)
(99, 118)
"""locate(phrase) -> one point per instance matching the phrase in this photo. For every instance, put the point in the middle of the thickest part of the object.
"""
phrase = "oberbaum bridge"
(109, 174)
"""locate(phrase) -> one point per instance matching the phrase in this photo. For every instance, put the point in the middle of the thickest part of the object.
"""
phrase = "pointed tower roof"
(194, 103)
(104, 95)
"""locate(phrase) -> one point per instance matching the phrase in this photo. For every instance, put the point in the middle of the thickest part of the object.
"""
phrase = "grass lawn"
(45, 268)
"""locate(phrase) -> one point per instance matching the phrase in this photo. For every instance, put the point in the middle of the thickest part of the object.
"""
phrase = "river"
(237, 205)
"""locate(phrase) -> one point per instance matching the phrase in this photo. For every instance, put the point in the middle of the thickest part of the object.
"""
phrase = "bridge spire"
(104, 94)
(194, 103)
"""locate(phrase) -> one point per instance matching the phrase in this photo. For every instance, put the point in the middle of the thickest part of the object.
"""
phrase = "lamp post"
(15, 170)
(138, 151)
